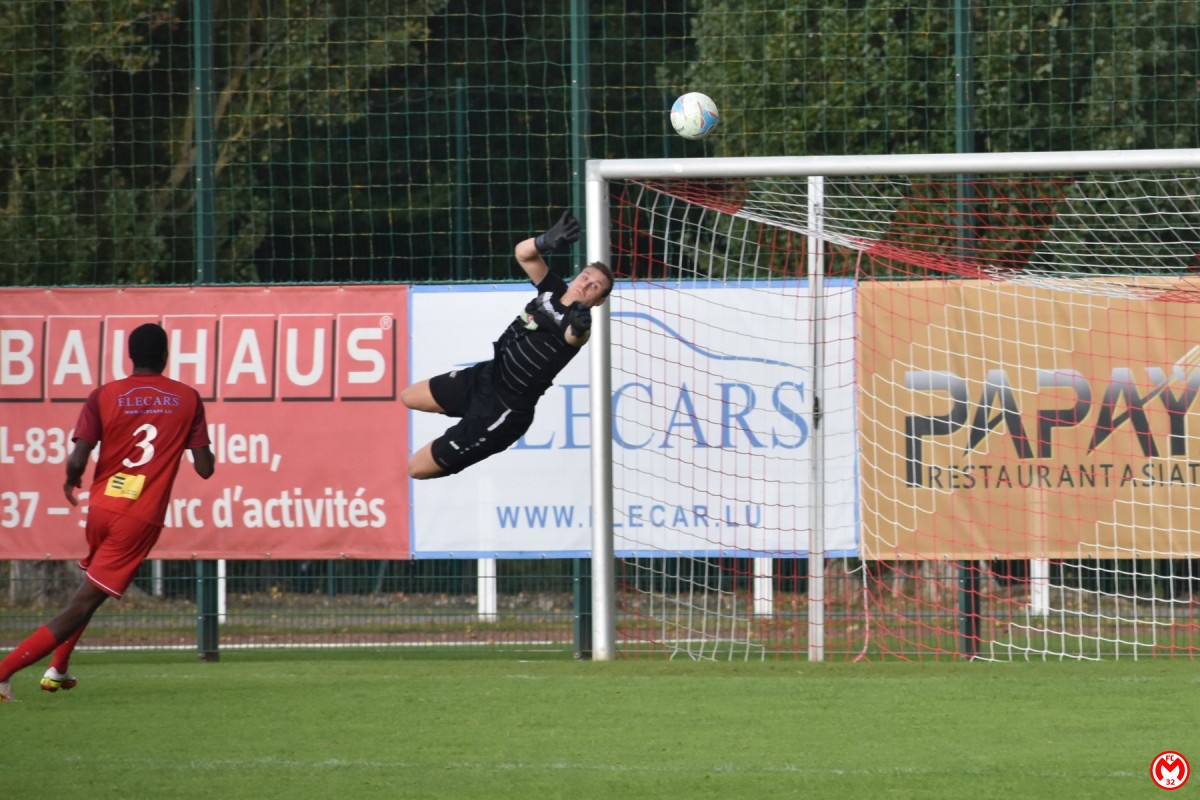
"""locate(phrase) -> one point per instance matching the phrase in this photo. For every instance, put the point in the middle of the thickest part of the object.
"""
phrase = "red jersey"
(143, 424)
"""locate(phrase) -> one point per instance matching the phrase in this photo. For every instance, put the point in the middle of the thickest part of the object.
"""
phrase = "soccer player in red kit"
(143, 423)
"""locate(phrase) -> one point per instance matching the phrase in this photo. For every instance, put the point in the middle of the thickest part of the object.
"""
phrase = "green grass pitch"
(402, 724)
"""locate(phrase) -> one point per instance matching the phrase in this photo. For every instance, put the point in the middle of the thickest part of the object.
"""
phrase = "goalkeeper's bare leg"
(418, 397)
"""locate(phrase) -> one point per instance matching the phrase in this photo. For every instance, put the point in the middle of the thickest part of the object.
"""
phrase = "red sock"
(32, 650)
(62, 653)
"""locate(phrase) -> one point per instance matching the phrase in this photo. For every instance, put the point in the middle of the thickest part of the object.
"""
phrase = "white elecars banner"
(712, 427)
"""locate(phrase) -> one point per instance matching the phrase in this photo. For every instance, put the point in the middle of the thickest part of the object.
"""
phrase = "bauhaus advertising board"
(300, 386)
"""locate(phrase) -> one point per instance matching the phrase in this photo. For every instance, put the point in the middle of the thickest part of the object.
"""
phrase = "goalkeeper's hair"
(148, 347)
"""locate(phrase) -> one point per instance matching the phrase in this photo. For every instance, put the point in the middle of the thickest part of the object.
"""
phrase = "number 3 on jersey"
(147, 432)
(130, 486)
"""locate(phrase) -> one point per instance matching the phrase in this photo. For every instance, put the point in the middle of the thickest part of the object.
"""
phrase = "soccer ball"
(694, 115)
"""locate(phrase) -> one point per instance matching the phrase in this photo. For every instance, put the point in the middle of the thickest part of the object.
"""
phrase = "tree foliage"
(849, 77)
(97, 144)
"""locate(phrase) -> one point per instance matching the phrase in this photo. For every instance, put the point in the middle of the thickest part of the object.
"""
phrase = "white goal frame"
(598, 175)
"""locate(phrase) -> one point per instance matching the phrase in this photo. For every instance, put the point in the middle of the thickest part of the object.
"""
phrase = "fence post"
(207, 628)
(581, 579)
(204, 238)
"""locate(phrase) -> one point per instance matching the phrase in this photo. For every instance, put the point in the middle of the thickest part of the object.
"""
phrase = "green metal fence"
(317, 603)
(523, 603)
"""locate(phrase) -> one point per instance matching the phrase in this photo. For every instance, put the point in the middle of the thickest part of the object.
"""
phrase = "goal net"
(913, 406)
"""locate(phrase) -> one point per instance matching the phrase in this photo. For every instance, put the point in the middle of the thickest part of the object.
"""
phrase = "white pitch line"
(271, 762)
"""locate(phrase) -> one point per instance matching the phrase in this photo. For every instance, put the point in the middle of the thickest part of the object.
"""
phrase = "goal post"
(603, 587)
(913, 406)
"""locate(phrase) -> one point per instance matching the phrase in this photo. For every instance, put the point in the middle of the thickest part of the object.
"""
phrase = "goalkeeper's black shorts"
(487, 426)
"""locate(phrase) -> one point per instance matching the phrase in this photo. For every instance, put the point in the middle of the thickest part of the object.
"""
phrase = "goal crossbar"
(905, 164)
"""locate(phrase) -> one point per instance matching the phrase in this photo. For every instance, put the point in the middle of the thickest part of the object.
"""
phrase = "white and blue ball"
(694, 115)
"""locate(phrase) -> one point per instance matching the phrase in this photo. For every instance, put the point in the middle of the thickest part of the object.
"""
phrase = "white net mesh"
(1009, 467)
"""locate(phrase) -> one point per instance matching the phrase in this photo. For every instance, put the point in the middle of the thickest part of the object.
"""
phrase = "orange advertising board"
(300, 387)
(999, 420)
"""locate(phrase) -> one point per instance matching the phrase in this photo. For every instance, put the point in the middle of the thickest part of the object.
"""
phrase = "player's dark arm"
(203, 461)
(76, 465)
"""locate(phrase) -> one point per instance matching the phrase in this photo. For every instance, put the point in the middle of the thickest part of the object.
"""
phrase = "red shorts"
(117, 546)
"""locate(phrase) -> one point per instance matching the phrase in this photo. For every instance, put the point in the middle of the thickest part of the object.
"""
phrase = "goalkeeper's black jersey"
(532, 350)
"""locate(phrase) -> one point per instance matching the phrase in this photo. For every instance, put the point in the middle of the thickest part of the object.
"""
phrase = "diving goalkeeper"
(494, 400)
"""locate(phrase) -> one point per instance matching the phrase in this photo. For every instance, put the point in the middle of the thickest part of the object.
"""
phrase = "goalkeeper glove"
(579, 318)
(561, 233)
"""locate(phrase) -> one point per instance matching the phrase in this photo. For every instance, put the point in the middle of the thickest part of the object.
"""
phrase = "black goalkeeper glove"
(561, 233)
(579, 318)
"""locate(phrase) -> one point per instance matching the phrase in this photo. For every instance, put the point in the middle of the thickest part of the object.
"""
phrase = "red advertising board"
(301, 391)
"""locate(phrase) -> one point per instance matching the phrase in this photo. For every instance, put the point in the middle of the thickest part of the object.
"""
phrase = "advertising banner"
(712, 425)
(1001, 421)
(300, 386)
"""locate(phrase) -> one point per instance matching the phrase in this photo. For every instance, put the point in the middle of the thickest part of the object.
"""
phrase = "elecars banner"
(1000, 421)
(300, 387)
(712, 421)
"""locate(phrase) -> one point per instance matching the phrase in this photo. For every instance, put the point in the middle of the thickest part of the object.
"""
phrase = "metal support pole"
(581, 580)
(581, 570)
(968, 609)
(204, 171)
(968, 572)
(204, 237)
(207, 615)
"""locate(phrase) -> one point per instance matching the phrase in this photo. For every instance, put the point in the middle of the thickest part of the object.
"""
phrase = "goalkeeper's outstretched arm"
(529, 252)
(531, 260)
